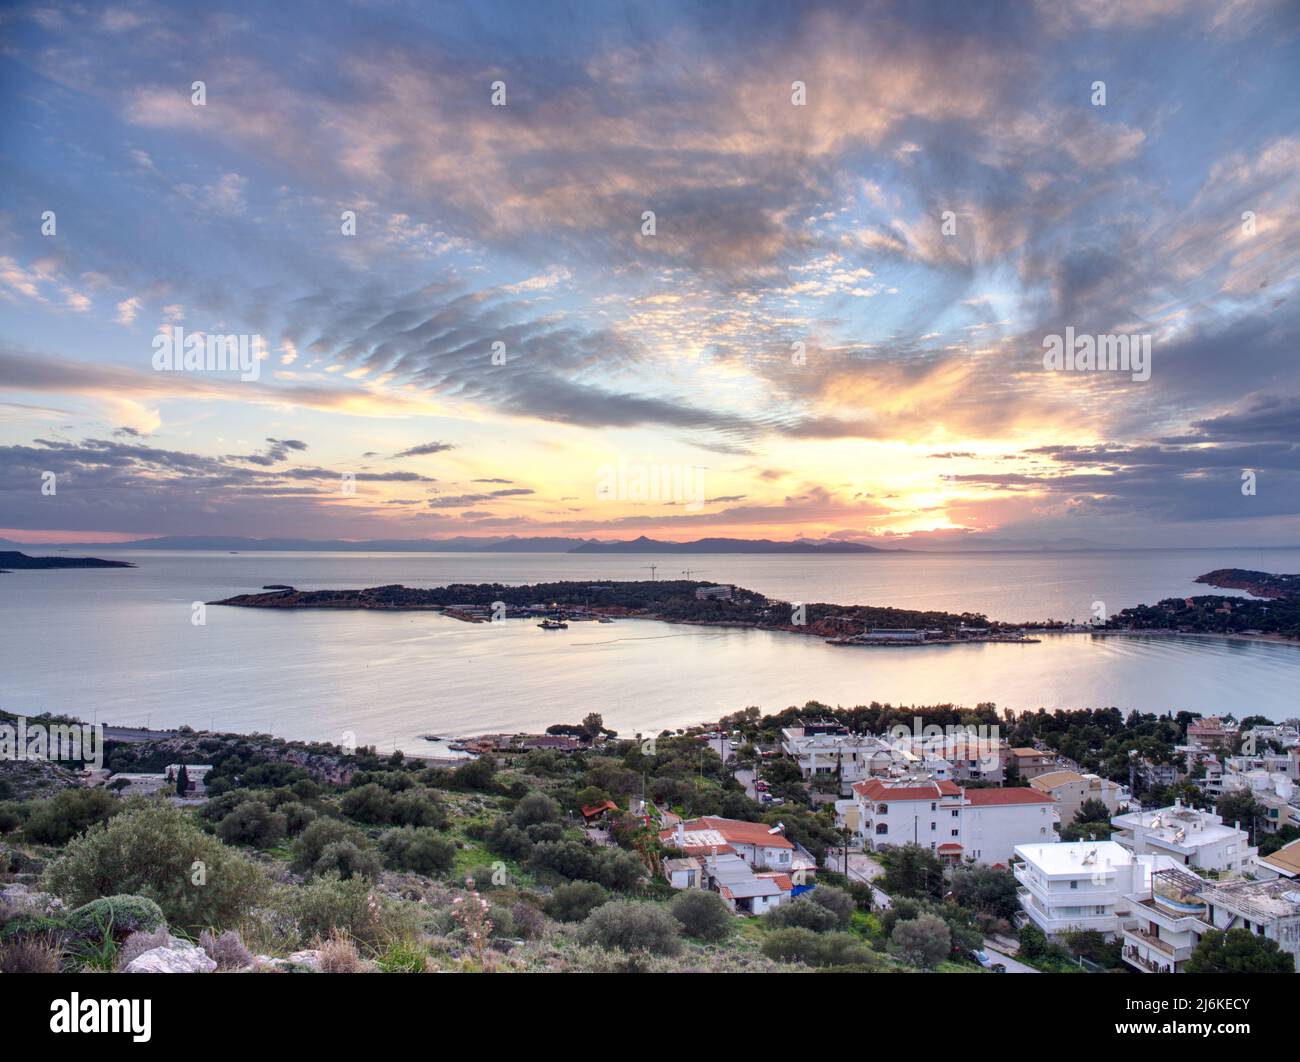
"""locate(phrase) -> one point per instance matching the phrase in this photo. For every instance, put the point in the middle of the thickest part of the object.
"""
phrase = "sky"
(675, 269)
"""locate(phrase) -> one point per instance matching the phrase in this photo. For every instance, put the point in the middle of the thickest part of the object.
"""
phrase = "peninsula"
(672, 601)
(12, 560)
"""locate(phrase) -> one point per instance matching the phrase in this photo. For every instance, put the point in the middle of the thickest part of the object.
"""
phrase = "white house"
(1195, 838)
(761, 846)
(1082, 884)
(957, 824)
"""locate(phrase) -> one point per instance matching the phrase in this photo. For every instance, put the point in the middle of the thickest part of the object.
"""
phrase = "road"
(1012, 965)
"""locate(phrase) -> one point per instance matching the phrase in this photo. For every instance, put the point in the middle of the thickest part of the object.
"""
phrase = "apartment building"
(1082, 884)
(1031, 763)
(1070, 789)
(1168, 922)
(1270, 909)
(956, 823)
(826, 755)
(1195, 838)
(1211, 732)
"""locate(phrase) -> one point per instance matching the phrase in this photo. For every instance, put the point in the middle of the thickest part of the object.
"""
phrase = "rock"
(178, 957)
(298, 962)
(20, 896)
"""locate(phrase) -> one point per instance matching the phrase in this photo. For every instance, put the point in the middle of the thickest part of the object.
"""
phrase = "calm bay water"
(118, 645)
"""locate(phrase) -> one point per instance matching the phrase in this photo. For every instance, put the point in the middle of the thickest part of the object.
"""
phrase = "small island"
(12, 560)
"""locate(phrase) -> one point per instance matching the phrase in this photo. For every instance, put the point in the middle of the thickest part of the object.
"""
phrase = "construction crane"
(688, 572)
(652, 568)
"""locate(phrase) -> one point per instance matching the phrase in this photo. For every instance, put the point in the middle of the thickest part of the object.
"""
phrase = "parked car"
(762, 786)
(982, 958)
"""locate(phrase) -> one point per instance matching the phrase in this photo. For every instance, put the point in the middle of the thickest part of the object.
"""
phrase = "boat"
(605, 619)
(553, 625)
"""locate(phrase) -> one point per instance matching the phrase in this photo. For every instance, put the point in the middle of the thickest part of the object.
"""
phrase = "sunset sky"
(920, 412)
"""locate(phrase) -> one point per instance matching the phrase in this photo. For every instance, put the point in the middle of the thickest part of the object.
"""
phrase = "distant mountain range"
(726, 545)
(465, 544)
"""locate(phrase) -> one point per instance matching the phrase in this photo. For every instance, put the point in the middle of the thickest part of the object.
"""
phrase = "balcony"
(1172, 953)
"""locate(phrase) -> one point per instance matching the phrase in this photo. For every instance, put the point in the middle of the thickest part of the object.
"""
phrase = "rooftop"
(1257, 900)
(1012, 795)
(875, 789)
(1075, 857)
(1286, 860)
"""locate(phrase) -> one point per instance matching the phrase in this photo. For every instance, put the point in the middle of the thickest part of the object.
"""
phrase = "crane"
(652, 568)
(688, 572)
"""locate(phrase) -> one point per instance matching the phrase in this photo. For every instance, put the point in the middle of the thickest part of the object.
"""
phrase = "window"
(882, 828)
(1074, 884)
(954, 813)
(882, 809)
(932, 826)
(933, 806)
(955, 832)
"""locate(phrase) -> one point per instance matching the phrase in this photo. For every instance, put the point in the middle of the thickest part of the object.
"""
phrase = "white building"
(761, 846)
(957, 824)
(1082, 884)
(1195, 838)
(1168, 922)
(1270, 909)
(851, 757)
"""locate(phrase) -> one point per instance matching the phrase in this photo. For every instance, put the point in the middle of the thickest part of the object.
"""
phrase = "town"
(863, 839)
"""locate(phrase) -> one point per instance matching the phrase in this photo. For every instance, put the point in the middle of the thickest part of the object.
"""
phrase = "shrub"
(401, 956)
(252, 822)
(631, 927)
(575, 901)
(30, 954)
(703, 914)
(569, 859)
(115, 916)
(837, 901)
(797, 944)
(1033, 941)
(226, 950)
(339, 955)
(10, 818)
(803, 913)
(368, 803)
(297, 817)
(319, 835)
(792, 944)
(535, 808)
(157, 852)
(508, 840)
(69, 813)
(422, 850)
(529, 921)
(348, 860)
(418, 808)
(140, 942)
(328, 904)
(923, 941)
(618, 870)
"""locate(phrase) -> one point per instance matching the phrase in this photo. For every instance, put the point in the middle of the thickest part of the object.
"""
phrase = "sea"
(123, 646)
